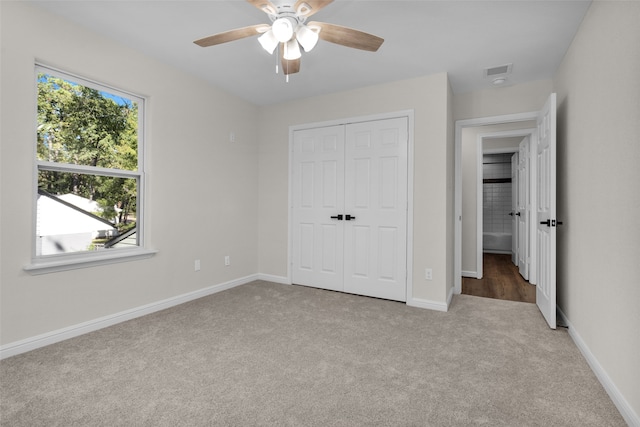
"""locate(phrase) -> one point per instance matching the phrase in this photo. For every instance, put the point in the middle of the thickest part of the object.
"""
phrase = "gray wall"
(202, 189)
(598, 87)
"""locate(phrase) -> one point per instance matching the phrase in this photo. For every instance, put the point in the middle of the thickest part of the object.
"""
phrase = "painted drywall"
(496, 144)
(430, 98)
(598, 89)
(202, 189)
(469, 160)
(497, 101)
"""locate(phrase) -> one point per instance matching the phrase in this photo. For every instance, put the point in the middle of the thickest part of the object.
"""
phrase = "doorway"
(503, 207)
(479, 140)
(543, 191)
(469, 167)
(495, 255)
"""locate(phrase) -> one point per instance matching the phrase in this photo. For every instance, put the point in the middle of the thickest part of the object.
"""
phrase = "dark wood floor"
(501, 280)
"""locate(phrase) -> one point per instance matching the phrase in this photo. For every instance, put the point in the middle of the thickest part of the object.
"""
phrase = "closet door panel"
(359, 262)
(318, 194)
(376, 199)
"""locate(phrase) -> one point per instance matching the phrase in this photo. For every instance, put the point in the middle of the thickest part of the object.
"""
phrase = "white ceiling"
(422, 37)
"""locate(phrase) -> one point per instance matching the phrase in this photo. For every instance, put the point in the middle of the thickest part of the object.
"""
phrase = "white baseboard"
(275, 279)
(618, 399)
(53, 337)
(472, 274)
(450, 297)
(428, 304)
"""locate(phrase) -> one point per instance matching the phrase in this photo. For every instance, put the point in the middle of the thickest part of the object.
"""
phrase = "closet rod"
(496, 180)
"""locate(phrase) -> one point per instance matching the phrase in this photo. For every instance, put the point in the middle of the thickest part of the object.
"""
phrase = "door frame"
(409, 114)
(457, 211)
(479, 200)
(515, 243)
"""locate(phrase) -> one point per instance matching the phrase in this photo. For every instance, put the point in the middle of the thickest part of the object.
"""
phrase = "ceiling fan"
(289, 30)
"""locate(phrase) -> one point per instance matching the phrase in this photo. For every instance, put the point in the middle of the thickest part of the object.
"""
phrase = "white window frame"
(59, 262)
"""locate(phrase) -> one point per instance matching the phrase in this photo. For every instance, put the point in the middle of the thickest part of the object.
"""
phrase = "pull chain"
(286, 73)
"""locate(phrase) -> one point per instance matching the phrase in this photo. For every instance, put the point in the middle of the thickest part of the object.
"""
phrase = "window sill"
(71, 262)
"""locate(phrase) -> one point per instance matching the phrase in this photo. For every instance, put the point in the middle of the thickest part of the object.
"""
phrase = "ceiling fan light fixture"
(282, 29)
(306, 37)
(292, 50)
(268, 41)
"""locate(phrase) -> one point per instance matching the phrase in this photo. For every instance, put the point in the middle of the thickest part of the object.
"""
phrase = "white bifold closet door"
(350, 208)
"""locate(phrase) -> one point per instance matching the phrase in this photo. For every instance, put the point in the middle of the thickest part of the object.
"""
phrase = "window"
(89, 169)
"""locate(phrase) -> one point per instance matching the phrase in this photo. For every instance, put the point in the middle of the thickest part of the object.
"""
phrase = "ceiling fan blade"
(289, 66)
(264, 5)
(229, 36)
(311, 6)
(348, 37)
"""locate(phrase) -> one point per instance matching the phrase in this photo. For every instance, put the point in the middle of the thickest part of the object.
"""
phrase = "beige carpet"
(270, 354)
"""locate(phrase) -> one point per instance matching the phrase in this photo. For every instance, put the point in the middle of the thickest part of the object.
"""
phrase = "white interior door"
(514, 209)
(349, 216)
(523, 208)
(376, 202)
(318, 195)
(546, 221)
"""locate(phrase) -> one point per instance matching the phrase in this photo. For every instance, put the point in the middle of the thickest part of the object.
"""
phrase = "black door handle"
(349, 218)
(551, 223)
(338, 217)
(510, 213)
(517, 213)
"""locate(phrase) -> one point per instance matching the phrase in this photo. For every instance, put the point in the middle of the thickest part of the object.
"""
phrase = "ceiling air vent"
(498, 75)
(500, 70)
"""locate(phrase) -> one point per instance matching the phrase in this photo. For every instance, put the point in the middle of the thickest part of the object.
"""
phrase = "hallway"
(501, 280)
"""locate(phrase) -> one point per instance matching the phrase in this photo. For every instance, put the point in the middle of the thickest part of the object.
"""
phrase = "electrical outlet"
(428, 274)
(227, 260)
(196, 265)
